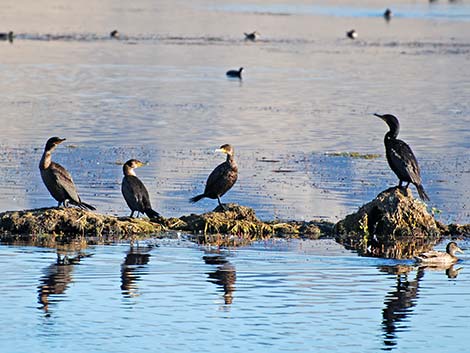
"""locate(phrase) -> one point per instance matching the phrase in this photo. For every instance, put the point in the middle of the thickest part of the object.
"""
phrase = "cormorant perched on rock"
(235, 73)
(351, 34)
(134, 191)
(57, 179)
(252, 36)
(115, 34)
(400, 157)
(221, 179)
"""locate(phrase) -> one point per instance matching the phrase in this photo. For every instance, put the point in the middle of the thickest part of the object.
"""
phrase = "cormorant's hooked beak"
(379, 116)
(220, 150)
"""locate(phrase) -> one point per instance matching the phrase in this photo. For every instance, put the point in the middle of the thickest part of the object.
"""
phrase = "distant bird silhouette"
(351, 34)
(134, 191)
(57, 179)
(7, 36)
(235, 73)
(388, 15)
(400, 157)
(252, 36)
(115, 34)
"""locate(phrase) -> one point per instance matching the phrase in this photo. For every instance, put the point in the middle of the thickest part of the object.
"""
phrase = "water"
(159, 94)
(301, 296)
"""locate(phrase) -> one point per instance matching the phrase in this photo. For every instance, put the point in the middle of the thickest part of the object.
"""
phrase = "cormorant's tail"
(422, 193)
(82, 205)
(151, 213)
(86, 206)
(196, 198)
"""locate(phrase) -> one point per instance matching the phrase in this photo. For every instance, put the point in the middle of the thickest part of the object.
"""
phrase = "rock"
(393, 225)
(233, 221)
(67, 224)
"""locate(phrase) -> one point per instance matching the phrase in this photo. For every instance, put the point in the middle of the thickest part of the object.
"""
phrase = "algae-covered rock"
(68, 223)
(239, 223)
(393, 225)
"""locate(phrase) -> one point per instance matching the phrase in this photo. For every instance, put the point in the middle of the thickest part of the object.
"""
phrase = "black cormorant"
(400, 157)
(114, 34)
(134, 191)
(222, 177)
(235, 73)
(351, 34)
(57, 179)
(251, 36)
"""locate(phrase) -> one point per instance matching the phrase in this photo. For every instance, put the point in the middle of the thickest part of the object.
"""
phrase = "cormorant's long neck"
(128, 170)
(230, 160)
(392, 134)
(46, 159)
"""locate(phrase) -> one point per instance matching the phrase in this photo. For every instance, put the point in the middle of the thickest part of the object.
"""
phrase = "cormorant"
(134, 191)
(57, 179)
(351, 34)
(114, 34)
(388, 15)
(222, 178)
(400, 157)
(235, 73)
(252, 36)
(7, 36)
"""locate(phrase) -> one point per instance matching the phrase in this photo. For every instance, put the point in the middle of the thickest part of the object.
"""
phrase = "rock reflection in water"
(136, 258)
(57, 277)
(224, 276)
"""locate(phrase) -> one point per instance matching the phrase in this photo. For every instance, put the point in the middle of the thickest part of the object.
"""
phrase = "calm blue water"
(295, 296)
(159, 94)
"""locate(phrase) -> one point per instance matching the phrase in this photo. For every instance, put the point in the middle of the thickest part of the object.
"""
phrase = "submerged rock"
(393, 225)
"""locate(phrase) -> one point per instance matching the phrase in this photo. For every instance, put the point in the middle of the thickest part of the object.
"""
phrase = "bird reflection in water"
(400, 301)
(131, 269)
(225, 275)
(57, 277)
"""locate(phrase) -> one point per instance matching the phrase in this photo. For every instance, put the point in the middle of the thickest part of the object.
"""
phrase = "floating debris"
(354, 155)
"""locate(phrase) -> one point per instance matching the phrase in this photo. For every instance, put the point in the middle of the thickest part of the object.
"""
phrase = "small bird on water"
(222, 178)
(351, 34)
(252, 36)
(57, 179)
(134, 191)
(235, 73)
(439, 257)
(7, 36)
(388, 15)
(115, 34)
(400, 157)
